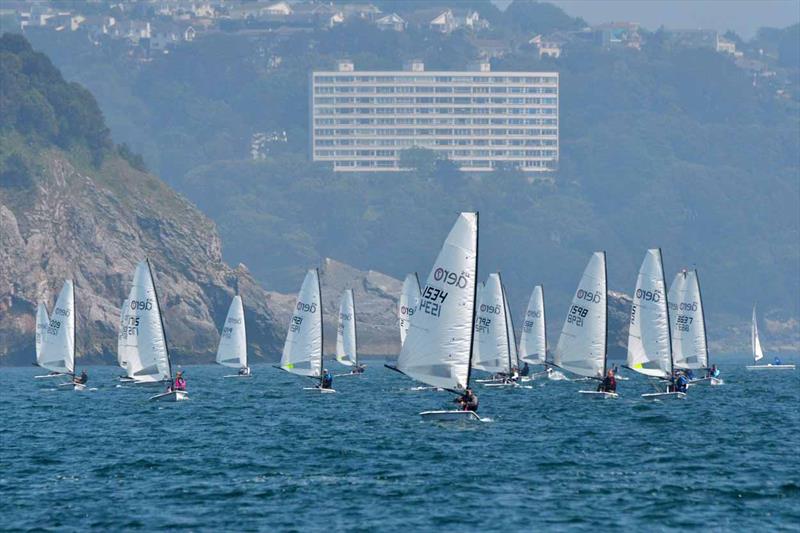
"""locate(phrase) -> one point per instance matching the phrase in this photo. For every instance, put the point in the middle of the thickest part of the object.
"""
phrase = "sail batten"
(57, 352)
(649, 338)
(232, 349)
(688, 329)
(346, 349)
(42, 322)
(302, 351)
(581, 348)
(438, 346)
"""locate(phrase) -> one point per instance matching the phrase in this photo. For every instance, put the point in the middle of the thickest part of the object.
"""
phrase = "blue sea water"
(261, 454)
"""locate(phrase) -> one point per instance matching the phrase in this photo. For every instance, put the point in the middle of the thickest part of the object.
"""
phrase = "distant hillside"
(664, 146)
(71, 207)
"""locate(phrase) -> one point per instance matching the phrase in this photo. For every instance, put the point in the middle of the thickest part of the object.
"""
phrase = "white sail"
(58, 344)
(533, 340)
(510, 333)
(689, 349)
(491, 332)
(122, 335)
(142, 336)
(409, 298)
(42, 323)
(346, 333)
(438, 344)
(649, 343)
(302, 351)
(581, 347)
(758, 353)
(232, 349)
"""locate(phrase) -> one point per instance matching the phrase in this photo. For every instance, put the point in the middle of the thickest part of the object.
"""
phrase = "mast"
(505, 321)
(355, 329)
(474, 298)
(74, 330)
(605, 297)
(703, 314)
(160, 315)
(544, 321)
(321, 328)
(666, 305)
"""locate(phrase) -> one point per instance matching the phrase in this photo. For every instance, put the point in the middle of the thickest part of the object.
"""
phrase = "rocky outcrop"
(93, 226)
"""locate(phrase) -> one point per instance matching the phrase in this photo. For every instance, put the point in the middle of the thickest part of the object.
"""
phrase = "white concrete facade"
(480, 120)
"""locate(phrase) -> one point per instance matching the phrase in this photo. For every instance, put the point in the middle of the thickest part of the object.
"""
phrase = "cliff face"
(93, 225)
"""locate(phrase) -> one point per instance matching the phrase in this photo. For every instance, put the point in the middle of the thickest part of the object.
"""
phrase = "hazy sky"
(742, 16)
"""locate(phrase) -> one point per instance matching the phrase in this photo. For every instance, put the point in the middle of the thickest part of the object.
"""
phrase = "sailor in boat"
(525, 371)
(326, 382)
(609, 383)
(713, 372)
(679, 382)
(244, 371)
(777, 361)
(358, 369)
(179, 383)
(468, 401)
(616, 369)
(82, 379)
(689, 374)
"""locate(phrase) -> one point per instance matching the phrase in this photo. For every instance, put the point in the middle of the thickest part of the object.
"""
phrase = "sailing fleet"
(450, 327)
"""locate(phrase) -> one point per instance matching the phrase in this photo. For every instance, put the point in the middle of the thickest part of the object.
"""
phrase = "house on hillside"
(279, 9)
(619, 34)
(549, 46)
(392, 21)
(449, 20)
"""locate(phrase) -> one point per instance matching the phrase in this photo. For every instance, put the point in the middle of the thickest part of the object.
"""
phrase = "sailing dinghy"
(582, 346)
(494, 352)
(438, 348)
(142, 339)
(57, 346)
(302, 351)
(533, 339)
(688, 326)
(346, 337)
(409, 298)
(758, 353)
(649, 338)
(232, 349)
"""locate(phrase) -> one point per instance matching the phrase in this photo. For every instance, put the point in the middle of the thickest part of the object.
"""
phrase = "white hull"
(72, 386)
(437, 389)
(707, 381)
(715, 382)
(557, 376)
(320, 390)
(598, 395)
(237, 376)
(502, 384)
(171, 396)
(466, 416)
(770, 367)
(49, 376)
(664, 396)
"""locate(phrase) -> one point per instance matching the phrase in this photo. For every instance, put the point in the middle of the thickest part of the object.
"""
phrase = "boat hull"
(770, 367)
(320, 390)
(171, 396)
(598, 395)
(237, 376)
(451, 416)
(72, 386)
(662, 396)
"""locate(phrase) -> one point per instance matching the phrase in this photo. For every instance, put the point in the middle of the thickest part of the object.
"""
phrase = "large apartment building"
(362, 121)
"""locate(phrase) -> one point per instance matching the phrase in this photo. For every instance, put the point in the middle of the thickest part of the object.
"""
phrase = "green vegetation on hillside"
(661, 147)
